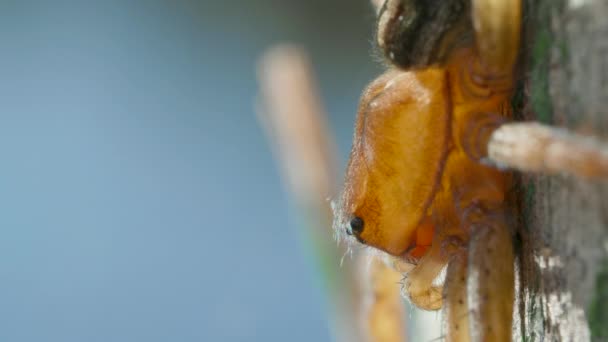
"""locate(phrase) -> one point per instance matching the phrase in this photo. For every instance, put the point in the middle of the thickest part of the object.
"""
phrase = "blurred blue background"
(139, 198)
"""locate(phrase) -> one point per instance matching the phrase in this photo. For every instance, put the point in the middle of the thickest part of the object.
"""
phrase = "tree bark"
(563, 235)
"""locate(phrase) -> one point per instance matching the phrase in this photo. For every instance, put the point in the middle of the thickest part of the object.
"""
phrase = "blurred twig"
(295, 122)
(383, 309)
(377, 4)
(294, 119)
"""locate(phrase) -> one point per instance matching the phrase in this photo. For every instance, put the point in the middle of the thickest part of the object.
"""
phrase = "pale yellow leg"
(534, 147)
(497, 25)
(419, 282)
(490, 284)
(456, 312)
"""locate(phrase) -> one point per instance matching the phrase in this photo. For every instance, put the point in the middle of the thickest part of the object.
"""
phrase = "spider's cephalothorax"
(431, 28)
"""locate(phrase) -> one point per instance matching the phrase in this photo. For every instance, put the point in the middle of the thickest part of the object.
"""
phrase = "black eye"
(356, 226)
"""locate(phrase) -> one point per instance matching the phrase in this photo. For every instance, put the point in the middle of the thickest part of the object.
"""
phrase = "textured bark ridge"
(563, 237)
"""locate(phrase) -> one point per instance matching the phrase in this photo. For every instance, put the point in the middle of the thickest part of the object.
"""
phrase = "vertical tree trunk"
(563, 279)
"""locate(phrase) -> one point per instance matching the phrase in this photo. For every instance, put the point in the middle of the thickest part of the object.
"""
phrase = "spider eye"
(356, 226)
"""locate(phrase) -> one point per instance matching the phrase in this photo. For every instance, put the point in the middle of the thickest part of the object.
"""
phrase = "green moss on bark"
(598, 310)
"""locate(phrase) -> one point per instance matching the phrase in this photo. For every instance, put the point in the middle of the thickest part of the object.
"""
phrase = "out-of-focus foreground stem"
(294, 121)
(383, 308)
(293, 117)
(377, 4)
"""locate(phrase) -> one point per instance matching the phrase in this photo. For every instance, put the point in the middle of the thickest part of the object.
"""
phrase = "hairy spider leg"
(491, 280)
(419, 287)
(497, 25)
(534, 147)
(456, 312)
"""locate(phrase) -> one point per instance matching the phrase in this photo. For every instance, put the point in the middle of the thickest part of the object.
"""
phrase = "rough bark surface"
(563, 237)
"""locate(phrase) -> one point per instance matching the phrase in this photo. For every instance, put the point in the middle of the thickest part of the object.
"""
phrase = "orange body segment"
(401, 142)
(423, 241)
(408, 151)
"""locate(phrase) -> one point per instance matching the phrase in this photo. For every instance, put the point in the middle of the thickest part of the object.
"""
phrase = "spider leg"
(419, 285)
(535, 147)
(497, 25)
(456, 311)
(490, 281)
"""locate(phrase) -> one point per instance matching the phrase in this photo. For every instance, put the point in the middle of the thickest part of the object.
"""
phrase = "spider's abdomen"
(415, 34)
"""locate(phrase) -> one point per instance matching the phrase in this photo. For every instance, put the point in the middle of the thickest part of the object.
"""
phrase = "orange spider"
(422, 183)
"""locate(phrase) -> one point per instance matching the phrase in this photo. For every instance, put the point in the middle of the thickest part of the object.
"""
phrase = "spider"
(433, 157)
